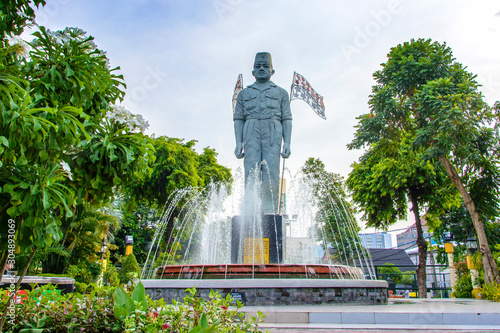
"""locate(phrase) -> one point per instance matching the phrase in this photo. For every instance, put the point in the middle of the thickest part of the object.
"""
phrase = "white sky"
(181, 59)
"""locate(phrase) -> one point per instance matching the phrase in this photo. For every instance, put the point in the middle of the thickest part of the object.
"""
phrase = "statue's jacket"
(266, 108)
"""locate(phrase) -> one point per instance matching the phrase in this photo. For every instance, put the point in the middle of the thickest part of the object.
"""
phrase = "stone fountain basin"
(275, 291)
(258, 271)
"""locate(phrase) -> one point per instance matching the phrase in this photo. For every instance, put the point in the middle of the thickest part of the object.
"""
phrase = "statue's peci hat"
(264, 56)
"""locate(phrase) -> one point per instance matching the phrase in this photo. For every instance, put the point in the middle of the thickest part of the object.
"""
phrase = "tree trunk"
(422, 248)
(433, 264)
(489, 263)
(18, 284)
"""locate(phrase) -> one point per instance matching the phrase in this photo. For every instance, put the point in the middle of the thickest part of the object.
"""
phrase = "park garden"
(78, 175)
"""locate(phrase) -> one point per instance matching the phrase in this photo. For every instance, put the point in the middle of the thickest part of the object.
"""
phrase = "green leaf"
(12, 211)
(124, 305)
(4, 141)
(139, 295)
(10, 188)
(202, 326)
(38, 96)
(69, 72)
(204, 321)
(22, 160)
(53, 229)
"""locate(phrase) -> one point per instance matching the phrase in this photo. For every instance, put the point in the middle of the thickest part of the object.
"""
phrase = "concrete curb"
(412, 314)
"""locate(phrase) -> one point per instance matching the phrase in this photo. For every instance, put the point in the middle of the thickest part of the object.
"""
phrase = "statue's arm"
(287, 137)
(286, 124)
(239, 123)
(238, 134)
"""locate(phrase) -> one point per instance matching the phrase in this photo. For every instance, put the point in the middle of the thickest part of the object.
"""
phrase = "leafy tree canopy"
(336, 224)
(63, 141)
(423, 92)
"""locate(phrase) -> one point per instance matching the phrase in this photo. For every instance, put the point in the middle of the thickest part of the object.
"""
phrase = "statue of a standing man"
(262, 121)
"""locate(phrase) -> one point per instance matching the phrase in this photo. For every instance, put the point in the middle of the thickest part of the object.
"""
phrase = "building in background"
(376, 240)
(438, 276)
(408, 238)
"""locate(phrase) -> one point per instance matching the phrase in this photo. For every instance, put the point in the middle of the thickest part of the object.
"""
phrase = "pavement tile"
(489, 318)
(358, 318)
(325, 317)
(392, 318)
(425, 318)
(460, 319)
(292, 317)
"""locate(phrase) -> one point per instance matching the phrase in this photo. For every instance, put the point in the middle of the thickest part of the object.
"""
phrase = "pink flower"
(153, 314)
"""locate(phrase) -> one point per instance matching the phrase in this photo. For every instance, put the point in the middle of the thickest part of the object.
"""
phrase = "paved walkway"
(424, 315)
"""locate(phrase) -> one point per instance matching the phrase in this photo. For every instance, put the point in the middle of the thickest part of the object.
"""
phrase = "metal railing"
(438, 284)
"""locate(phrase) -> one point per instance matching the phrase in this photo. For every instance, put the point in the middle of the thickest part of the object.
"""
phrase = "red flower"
(165, 326)
(224, 307)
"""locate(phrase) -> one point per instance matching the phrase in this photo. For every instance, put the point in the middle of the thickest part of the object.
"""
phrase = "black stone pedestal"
(271, 232)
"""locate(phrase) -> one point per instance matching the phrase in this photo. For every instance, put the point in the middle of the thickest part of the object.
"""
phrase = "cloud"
(181, 59)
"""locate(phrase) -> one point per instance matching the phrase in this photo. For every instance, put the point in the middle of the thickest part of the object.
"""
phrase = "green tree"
(422, 89)
(15, 15)
(336, 224)
(388, 177)
(177, 166)
(458, 221)
(395, 274)
(57, 108)
(210, 169)
(139, 223)
(130, 269)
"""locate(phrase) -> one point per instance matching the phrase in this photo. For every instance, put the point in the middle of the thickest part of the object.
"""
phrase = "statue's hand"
(286, 151)
(238, 151)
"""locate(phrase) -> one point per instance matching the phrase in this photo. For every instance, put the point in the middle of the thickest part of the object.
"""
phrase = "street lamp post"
(129, 244)
(102, 251)
(104, 248)
(471, 245)
(448, 247)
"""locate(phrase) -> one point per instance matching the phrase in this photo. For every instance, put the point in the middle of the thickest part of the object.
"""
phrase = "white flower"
(123, 116)
(23, 49)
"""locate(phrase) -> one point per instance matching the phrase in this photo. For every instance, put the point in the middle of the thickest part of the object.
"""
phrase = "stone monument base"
(257, 244)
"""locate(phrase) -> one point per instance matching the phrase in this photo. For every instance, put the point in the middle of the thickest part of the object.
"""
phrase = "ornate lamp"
(471, 243)
(129, 244)
(447, 236)
(104, 248)
(129, 240)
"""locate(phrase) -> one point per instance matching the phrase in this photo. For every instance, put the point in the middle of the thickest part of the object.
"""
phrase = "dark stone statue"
(262, 123)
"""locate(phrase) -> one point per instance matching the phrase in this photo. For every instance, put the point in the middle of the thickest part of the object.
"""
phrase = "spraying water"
(319, 235)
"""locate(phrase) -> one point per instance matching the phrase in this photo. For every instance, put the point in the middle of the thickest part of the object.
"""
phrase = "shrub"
(463, 286)
(46, 310)
(395, 274)
(130, 269)
(192, 315)
(111, 275)
(85, 272)
(491, 291)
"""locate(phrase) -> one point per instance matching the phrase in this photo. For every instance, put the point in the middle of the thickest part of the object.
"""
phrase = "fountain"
(288, 261)
(236, 239)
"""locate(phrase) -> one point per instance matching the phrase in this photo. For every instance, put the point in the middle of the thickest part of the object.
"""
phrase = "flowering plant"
(194, 314)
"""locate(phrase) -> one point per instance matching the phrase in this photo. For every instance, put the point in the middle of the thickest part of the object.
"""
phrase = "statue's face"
(262, 70)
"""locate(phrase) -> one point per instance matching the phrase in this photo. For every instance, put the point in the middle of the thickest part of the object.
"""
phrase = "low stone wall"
(65, 284)
(276, 292)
